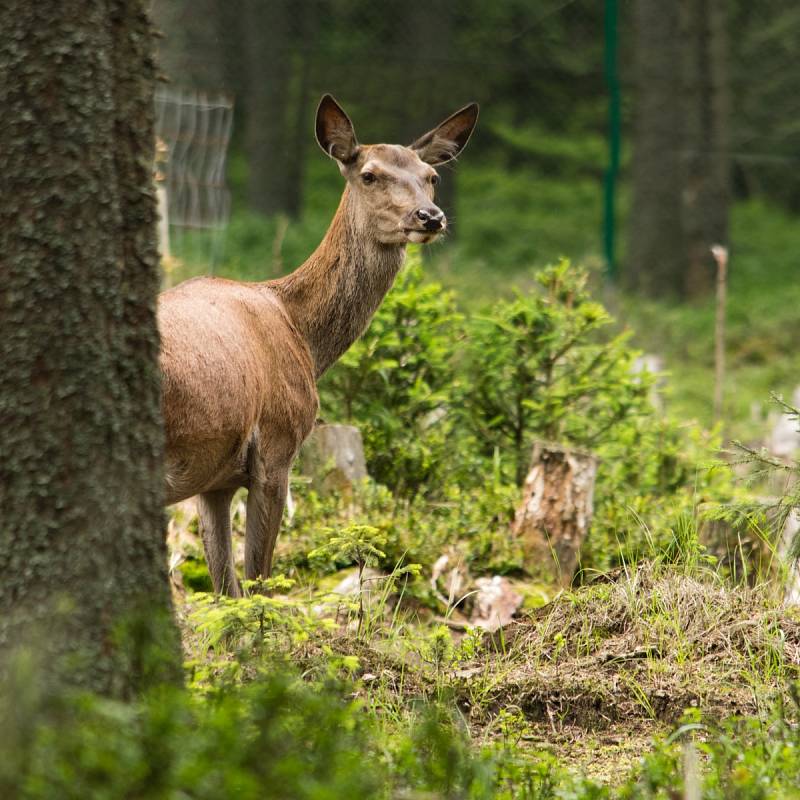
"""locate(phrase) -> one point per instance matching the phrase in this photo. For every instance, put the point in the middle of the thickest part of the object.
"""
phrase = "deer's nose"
(432, 218)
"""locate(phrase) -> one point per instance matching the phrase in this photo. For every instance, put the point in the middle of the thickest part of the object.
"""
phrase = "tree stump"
(333, 458)
(556, 510)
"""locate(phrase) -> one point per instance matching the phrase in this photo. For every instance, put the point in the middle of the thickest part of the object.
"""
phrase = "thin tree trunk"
(82, 550)
(266, 141)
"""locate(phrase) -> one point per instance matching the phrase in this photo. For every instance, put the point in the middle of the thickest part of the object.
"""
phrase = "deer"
(240, 361)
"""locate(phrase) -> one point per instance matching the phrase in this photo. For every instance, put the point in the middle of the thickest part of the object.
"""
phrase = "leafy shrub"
(460, 430)
(280, 737)
(652, 476)
(537, 369)
(540, 367)
(750, 758)
(477, 518)
(277, 737)
(396, 383)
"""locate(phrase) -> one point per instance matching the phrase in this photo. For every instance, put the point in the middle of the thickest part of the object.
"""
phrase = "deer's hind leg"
(215, 525)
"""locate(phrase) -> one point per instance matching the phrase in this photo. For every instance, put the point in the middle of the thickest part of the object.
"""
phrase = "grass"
(656, 675)
(591, 678)
(763, 327)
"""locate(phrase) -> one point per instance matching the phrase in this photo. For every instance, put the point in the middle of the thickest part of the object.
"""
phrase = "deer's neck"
(332, 297)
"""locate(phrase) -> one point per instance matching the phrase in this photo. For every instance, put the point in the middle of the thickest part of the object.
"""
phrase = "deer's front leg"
(265, 502)
(214, 509)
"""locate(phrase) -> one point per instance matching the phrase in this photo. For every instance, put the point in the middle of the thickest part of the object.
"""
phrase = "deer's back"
(233, 367)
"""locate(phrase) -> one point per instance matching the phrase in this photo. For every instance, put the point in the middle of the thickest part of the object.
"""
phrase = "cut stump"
(556, 510)
(333, 458)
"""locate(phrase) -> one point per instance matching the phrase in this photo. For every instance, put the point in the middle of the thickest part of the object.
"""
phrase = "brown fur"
(240, 360)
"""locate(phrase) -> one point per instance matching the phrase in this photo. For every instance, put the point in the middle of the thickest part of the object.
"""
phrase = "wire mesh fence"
(193, 130)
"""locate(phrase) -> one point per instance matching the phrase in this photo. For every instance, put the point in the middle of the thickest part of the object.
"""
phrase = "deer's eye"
(368, 177)
(434, 179)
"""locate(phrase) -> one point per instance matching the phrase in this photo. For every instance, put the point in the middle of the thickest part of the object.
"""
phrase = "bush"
(282, 738)
(275, 738)
(396, 383)
(459, 431)
(536, 368)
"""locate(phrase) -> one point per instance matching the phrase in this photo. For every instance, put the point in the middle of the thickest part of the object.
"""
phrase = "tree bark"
(333, 457)
(308, 36)
(681, 163)
(266, 104)
(554, 517)
(706, 163)
(655, 248)
(426, 86)
(82, 550)
(189, 52)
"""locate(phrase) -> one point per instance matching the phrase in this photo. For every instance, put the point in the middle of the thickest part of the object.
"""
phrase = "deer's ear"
(447, 140)
(335, 132)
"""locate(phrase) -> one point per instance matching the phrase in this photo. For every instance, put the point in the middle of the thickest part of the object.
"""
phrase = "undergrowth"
(286, 701)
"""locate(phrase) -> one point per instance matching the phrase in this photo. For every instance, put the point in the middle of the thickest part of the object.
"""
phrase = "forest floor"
(592, 677)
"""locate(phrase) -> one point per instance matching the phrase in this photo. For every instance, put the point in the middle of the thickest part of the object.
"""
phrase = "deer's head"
(392, 187)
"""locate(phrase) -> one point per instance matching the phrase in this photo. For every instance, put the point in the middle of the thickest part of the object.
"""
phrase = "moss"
(195, 575)
(81, 525)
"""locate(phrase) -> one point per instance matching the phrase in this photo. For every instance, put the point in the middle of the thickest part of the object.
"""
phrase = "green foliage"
(246, 627)
(395, 382)
(357, 543)
(653, 475)
(762, 327)
(360, 544)
(195, 575)
(536, 369)
(412, 531)
(276, 738)
(280, 737)
(540, 366)
(747, 758)
(767, 519)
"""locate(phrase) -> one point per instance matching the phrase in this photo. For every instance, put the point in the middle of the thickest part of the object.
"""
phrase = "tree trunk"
(556, 510)
(82, 551)
(428, 53)
(681, 165)
(333, 457)
(266, 102)
(188, 51)
(655, 249)
(706, 163)
(303, 106)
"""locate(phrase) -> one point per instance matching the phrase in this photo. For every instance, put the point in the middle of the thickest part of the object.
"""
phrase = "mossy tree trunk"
(82, 550)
